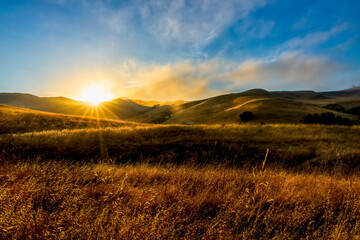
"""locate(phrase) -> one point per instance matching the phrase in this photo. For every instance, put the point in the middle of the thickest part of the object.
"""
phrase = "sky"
(168, 50)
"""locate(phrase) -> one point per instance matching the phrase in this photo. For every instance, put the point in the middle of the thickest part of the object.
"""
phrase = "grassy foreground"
(58, 200)
(66, 177)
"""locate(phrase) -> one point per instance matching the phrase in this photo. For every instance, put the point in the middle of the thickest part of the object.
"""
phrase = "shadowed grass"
(291, 146)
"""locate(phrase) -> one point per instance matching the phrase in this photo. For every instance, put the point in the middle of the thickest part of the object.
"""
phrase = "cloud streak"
(313, 39)
(194, 21)
(176, 22)
(290, 69)
(183, 80)
(195, 79)
(191, 79)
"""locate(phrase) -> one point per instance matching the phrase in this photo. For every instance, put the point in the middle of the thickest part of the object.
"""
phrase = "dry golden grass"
(291, 146)
(64, 177)
(57, 200)
(19, 120)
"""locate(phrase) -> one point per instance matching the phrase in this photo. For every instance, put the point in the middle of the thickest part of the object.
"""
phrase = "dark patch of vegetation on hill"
(328, 118)
(335, 107)
(246, 116)
(354, 111)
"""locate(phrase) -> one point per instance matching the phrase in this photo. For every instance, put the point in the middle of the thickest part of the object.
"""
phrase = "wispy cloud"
(194, 79)
(191, 79)
(176, 22)
(116, 20)
(194, 21)
(290, 69)
(259, 29)
(182, 80)
(316, 38)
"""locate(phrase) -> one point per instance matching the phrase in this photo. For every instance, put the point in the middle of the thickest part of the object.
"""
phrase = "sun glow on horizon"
(96, 94)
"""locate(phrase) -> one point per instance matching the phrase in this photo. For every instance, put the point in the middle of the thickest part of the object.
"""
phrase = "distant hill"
(121, 109)
(301, 95)
(115, 109)
(343, 100)
(153, 103)
(267, 107)
(312, 95)
(347, 93)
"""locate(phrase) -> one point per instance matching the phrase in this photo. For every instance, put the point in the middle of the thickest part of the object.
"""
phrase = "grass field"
(57, 200)
(291, 146)
(83, 178)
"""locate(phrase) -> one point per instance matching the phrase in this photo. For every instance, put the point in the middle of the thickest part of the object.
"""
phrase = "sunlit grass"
(17, 120)
(65, 177)
(104, 201)
(295, 146)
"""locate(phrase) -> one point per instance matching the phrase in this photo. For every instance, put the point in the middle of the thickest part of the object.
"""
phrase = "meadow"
(113, 180)
(300, 147)
(59, 200)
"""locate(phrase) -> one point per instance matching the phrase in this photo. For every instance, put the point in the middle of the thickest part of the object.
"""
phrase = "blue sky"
(165, 49)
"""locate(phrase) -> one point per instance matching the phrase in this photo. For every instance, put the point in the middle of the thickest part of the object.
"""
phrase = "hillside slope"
(115, 109)
(18, 120)
(266, 107)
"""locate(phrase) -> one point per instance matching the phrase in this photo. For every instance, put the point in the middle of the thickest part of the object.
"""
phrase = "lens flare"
(96, 94)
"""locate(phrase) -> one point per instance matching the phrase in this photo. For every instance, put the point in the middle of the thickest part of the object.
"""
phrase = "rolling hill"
(19, 120)
(153, 103)
(267, 107)
(116, 109)
(321, 98)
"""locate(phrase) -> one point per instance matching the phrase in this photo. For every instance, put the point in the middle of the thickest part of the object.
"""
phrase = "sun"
(96, 94)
